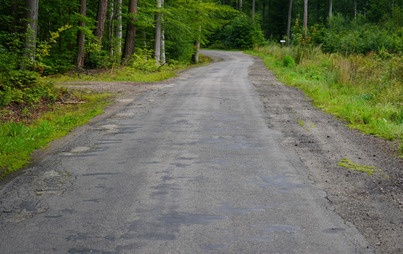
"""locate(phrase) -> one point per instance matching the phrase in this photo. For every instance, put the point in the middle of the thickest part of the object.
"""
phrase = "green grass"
(19, 140)
(366, 91)
(119, 74)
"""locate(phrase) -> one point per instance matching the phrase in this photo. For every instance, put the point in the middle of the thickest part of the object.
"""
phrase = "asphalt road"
(191, 168)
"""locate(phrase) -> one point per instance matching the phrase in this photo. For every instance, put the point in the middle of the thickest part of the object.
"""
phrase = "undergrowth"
(141, 68)
(19, 139)
(365, 90)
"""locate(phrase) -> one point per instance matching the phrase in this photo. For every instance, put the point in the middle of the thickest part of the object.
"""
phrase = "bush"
(288, 61)
(240, 33)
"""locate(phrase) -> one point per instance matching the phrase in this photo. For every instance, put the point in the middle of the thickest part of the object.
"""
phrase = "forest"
(57, 35)
(356, 39)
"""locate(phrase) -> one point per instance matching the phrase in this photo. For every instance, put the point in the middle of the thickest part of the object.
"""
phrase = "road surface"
(190, 168)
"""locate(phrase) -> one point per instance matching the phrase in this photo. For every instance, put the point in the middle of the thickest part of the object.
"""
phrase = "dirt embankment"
(373, 203)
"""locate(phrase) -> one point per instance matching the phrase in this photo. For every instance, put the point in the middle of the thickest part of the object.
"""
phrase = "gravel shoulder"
(374, 204)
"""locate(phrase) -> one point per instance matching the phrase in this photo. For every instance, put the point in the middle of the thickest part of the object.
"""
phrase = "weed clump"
(288, 61)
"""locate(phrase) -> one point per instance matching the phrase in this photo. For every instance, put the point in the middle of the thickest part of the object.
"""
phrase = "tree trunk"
(31, 27)
(131, 31)
(355, 9)
(253, 10)
(240, 5)
(81, 36)
(111, 28)
(264, 18)
(119, 27)
(163, 59)
(197, 44)
(289, 23)
(330, 9)
(101, 17)
(305, 17)
(157, 42)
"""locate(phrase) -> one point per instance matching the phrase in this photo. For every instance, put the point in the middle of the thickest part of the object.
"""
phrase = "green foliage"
(358, 36)
(288, 61)
(143, 60)
(240, 33)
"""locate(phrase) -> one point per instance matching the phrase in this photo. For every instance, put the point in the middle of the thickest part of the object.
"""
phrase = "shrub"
(288, 61)
(240, 33)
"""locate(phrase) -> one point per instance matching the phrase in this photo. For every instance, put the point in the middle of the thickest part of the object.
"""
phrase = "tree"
(305, 16)
(331, 9)
(197, 42)
(157, 42)
(31, 27)
(111, 27)
(119, 27)
(163, 56)
(289, 22)
(101, 16)
(131, 31)
(81, 35)
(253, 10)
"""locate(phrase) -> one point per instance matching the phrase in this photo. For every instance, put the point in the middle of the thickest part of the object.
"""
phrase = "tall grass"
(365, 90)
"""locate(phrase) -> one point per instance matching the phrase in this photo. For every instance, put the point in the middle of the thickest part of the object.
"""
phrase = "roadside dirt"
(373, 203)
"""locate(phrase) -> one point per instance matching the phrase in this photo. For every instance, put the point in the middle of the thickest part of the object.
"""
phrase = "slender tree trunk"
(197, 45)
(157, 42)
(355, 9)
(31, 27)
(119, 27)
(305, 17)
(101, 17)
(263, 17)
(330, 9)
(289, 23)
(163, 59)
(240, 5)
(111, 27)
(253, 10)
(131, 31)
(268, 16)
(81, 36)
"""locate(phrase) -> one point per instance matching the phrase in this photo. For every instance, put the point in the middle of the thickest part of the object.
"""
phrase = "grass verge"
(137, 71)
(117, 74)
(19, 140)
(366, 91)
